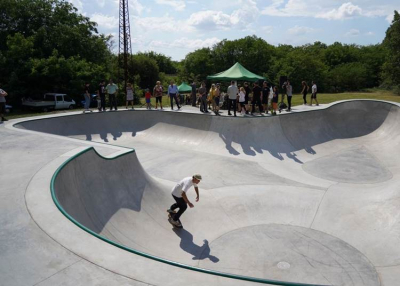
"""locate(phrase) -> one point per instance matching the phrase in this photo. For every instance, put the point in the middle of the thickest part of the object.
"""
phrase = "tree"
(199, 64)
(338, 53)
(164, 63)
(252, 52)
(391, 68)
(48, 35)
(299, 66)
(146, 68)
(348, 77)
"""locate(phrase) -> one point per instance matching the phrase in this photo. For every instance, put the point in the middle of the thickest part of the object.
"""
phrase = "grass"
(332, 97)
(323, 98)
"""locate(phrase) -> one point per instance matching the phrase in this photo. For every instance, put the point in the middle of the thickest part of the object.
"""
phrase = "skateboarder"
(179, 195)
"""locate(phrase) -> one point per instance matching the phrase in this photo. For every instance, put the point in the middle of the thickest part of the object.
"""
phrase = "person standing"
(86, 94)
(270, 97)
(3, 95)
(147, 96)
(275, 99)
(289, 93)
(242, 98)
(101, 94)
(203, 98)
(232, 95)
(314, 91)
(173, 93)
(193, 94)
(181, 199)
(217, 98)
(265, 96)
(256, 98)
(129, 95)
(112, 89)
(304, 91)
(212, 92)
(247, 98)
(157, 93)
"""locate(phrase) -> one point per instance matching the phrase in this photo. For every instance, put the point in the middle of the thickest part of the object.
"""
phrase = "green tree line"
(47, 46)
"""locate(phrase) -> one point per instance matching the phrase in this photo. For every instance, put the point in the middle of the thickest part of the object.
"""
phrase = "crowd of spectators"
(246, 99)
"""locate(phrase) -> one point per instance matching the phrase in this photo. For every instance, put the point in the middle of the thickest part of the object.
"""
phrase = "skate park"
(303, 198)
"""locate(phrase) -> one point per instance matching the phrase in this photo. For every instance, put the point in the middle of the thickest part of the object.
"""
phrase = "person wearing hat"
(179, 195)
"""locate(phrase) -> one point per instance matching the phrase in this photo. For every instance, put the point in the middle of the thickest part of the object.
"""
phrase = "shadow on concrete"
(199, 252)
(281, 136)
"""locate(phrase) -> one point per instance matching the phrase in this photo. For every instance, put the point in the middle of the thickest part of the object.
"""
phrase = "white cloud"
(207, 20)
(370, 34)
(217, 20)
(352, 33)
(104, 21)
(185, 43)
(178, 5)
(291, 8)
(390, 18)
(78, 4)
(160, 24)
(345, 11)
(298, 30)
(101, 3)
(267, 29)
(314, 9)
(195, 44)
(135, 7)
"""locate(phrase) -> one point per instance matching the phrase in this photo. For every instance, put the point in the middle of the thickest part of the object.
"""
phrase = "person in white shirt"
(179, 195)
(314, 93)
(289, 93)
(232, 93)
(242, 99)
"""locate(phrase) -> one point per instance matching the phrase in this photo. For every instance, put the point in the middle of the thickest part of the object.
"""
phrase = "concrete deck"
(310, 196)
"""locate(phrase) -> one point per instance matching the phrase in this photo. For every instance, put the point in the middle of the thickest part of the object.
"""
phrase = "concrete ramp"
(308, 197)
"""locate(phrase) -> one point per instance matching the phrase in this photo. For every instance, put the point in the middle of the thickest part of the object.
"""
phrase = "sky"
(177, 27)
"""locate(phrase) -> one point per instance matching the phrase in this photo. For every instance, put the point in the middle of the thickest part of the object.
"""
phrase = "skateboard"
(170, 220)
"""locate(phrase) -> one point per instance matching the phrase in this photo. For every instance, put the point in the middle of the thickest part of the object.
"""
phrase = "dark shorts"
(2, 107)
(246, 99)
(147, 100)
(216, 99)
(314, 95)
(158, 99)
(242, 104)
(264, 100)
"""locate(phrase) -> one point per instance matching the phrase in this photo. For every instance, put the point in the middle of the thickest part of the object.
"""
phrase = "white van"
(51, 101)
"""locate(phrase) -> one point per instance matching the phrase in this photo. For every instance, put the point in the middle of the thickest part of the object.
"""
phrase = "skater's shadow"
(198, 252)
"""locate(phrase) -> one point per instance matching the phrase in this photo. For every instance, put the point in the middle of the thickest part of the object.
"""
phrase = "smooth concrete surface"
(309, 196)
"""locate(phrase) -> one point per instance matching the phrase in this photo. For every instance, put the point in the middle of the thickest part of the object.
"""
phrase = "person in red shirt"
(148, 97)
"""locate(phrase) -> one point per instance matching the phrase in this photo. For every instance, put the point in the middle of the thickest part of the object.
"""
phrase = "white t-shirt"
(314, 88)
(232, 91)
(242, 96)
(183, 186)
(289, 90)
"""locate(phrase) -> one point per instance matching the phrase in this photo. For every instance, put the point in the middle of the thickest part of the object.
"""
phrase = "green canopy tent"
(184, 88)
(236, 72)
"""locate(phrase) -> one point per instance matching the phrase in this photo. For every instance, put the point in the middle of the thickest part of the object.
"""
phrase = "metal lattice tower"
(125, 46)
